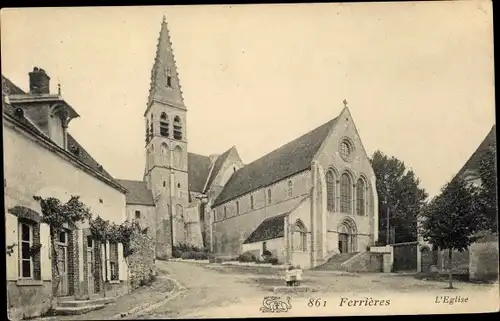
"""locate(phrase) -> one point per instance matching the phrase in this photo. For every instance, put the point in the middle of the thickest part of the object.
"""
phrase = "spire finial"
(58, 86)
(164, 18)
(345, 103)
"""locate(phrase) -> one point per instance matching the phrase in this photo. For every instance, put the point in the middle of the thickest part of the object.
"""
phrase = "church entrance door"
(343, 243)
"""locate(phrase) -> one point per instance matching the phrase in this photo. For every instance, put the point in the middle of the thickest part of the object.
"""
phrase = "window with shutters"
(113, 261)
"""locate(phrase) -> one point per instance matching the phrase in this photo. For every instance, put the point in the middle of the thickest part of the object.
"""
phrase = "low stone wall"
(141, 263)
(364, 262)
(483, 261)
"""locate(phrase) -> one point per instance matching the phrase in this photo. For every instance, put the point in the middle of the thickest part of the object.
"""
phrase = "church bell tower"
(165, 171)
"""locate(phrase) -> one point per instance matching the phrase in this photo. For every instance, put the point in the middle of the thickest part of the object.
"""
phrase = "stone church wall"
(231, 232)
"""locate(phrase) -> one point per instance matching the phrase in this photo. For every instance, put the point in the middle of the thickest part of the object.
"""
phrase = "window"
(178, 156)
(264, 247)
(330, 191)
(137, 214)
(300, 237)
(90, 242)
(237, 207)
(345, 194)
(177, 128)
(251, 202)
(25, 258)
(290, 188)
(147, 130)
(113, 261)
(225, 212)
(164, 125)
(179, 211)
(169, 77)
(360, 197)
(164, 184)
(151, 126)
(346, 150)
(269, 199)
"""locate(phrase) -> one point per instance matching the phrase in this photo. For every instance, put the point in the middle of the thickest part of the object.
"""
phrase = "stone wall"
(141, 262)
(365, 262)
(26, 301)
(483, 261)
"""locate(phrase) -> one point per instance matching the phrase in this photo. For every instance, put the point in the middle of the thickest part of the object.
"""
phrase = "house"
(41, 158)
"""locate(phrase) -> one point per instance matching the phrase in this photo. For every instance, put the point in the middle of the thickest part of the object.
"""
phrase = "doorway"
(343, 243)
(62, 263)
(90, 265)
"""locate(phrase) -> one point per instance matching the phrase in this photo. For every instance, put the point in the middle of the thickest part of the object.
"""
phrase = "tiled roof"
(9, 88)
(217, 166)
(283, 162)
(472, 163)
(198, 170)
(138, 193)
(270, 228)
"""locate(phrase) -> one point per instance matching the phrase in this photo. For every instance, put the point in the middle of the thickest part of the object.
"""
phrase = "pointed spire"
(165, 86)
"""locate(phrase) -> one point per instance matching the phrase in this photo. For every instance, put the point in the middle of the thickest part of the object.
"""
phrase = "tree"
(399, 195)
(453, 218)
(488, 190)
(57, 216)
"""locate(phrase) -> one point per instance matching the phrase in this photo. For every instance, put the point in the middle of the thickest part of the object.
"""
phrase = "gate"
(405, 257)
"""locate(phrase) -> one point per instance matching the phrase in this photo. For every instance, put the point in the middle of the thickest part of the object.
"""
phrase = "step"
(77, 310)
(79, 303)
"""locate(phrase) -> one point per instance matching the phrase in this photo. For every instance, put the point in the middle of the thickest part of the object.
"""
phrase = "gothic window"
(237, 207)
(290, 189)
(345, 194)
(113, 260)
(330, 191)
(169, 77)
(164, 125)
(164, 151)
(360, 197)
(251, 202)
(225, 212)
(177, 128)
(299, 237)
(178, 157)
(269, 199)
(147, 131)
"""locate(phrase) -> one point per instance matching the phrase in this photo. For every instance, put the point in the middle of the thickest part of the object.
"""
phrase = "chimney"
(39, 81)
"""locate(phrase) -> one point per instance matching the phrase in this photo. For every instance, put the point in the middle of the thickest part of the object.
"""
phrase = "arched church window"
(237, 207)
(147, 131)
(164, 149)
(177, 128)
(151, 126)
(330, 191)
(290, 189)
(178, 157)
(345, 194)
(360, 197)
(251, 202)
(269, 199)
(164, 130)
(299, 237)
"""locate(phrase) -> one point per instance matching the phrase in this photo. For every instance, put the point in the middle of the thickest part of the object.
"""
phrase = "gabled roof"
(270, 228)
(198, 170)
(474, 160)
(216, 167)
(138, 193)
(281, 163)
(77, 150)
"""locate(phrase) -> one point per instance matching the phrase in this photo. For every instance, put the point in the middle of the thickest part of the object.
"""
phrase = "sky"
(418, 77)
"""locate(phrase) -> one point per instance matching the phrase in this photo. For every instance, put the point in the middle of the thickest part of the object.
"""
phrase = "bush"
(247, 257)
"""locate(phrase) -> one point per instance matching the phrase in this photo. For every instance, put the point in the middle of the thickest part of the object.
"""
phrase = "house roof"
(474, 160)
(75, 148)
(270, 228)
(198, 170)
(289, 159)
(217, 166)
(138, 193)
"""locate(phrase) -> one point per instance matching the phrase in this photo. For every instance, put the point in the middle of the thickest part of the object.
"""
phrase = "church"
(305, 202)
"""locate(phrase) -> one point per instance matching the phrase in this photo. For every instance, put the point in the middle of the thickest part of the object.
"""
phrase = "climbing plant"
(57, 215)
(10, 249)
